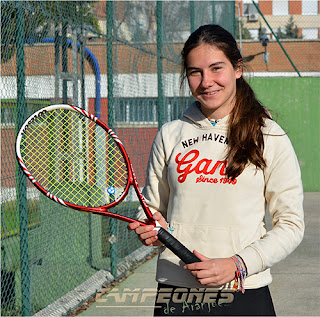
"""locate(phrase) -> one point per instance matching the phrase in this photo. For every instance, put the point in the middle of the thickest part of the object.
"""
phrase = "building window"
(310, 33)
(254, 34)
(280, 7)
(137, 110)
(144, 110)
(309, 7)
(250, 11)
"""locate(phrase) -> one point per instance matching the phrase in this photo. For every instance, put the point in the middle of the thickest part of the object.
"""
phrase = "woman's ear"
(239, 69)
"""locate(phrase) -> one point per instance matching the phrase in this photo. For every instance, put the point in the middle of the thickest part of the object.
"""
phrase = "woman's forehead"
(205, 54)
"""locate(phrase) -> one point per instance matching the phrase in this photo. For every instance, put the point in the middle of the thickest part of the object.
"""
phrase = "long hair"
(245, 137)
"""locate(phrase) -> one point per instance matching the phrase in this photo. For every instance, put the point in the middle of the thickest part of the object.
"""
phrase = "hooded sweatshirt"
(207, 212)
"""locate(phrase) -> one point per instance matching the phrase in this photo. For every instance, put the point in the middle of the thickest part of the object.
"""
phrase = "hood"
(194, 114)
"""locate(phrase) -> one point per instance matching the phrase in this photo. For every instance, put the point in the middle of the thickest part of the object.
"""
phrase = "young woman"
(210, 176)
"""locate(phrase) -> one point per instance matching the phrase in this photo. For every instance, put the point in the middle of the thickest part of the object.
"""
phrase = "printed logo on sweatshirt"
(205, 168)
(205, 137)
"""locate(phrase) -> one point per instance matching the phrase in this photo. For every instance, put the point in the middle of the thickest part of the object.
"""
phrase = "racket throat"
(157, 225)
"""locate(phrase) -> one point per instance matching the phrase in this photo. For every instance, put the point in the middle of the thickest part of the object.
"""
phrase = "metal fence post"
(213, 12)
(21, 183)
(57, 45)
(113, 224)
(233, 18)
(159, 64)
(192, 16)
(64, 53)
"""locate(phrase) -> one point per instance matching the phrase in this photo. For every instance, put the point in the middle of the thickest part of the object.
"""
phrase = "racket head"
(74, 159)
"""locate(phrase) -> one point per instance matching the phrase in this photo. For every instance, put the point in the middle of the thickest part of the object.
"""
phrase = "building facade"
(303, 14)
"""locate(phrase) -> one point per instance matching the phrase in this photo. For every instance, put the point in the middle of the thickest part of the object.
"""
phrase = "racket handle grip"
(177, 247)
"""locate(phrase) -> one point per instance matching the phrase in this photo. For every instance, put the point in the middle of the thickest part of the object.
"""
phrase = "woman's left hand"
(212, 272)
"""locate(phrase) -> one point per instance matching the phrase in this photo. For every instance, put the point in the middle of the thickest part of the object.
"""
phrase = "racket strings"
(74, 158)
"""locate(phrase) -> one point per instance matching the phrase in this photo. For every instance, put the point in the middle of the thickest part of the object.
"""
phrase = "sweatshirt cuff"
(252, 260)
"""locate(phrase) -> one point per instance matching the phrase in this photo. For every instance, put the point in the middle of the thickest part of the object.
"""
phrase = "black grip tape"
(176, 247)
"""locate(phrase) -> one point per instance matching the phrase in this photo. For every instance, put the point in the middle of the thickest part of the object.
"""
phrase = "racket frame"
(163, 235)
(95, 210)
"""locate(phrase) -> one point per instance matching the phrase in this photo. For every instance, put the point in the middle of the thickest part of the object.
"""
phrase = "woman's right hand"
(147, 234)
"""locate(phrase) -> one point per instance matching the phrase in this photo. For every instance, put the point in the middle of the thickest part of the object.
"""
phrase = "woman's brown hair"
(245, 137)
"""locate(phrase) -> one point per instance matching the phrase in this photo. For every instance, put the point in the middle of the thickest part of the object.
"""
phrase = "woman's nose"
(207, 80)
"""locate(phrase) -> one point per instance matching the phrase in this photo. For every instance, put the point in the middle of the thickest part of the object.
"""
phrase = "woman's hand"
(146, 234)
(212, 272)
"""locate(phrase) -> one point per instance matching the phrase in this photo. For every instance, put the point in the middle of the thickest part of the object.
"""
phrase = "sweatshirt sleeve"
(156, 190)
(284, 195)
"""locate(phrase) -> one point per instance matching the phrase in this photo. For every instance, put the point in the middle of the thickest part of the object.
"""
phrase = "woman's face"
(212, 80)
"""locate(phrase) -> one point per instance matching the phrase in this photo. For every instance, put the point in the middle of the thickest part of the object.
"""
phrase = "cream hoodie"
(186, 182)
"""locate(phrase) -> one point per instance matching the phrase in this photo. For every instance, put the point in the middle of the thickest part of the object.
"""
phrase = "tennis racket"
(74, 159)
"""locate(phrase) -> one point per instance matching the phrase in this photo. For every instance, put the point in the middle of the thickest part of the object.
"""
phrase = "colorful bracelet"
(170, 229)
(240, 274)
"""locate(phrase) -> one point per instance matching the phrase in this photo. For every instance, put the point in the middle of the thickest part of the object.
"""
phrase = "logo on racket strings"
(111, 190)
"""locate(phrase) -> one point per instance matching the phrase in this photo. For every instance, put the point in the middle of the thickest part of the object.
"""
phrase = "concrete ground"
(295, 289)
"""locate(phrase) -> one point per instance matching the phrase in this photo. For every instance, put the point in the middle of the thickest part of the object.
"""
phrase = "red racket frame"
(164, 236)
(102, 210)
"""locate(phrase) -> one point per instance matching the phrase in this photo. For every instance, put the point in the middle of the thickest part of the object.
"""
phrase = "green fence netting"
(121, 61)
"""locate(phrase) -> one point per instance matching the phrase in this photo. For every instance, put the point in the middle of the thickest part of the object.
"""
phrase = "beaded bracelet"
(241, 274)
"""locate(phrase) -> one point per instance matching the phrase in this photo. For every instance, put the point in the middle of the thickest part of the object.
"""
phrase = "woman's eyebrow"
(212, 65)
(217, 64)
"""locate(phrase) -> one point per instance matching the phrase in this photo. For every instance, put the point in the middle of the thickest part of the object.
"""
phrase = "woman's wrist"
(240, 274)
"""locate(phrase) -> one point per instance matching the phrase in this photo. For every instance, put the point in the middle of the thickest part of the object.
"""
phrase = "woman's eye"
(193, 73)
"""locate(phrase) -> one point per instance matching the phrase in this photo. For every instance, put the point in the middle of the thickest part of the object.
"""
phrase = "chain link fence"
(121, 61)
